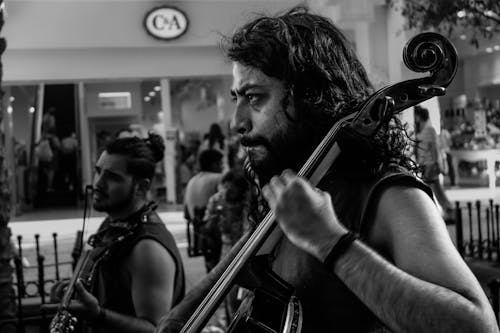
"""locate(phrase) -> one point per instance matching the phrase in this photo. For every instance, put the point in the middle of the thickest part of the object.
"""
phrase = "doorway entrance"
(57, 150)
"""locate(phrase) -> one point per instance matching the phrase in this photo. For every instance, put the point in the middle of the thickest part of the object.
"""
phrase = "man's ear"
(143, 185)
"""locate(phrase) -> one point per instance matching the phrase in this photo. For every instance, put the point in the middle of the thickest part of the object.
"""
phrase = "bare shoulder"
(406, 214)
(148, 256)
(403, 211)
(152, 272)
(407, 201)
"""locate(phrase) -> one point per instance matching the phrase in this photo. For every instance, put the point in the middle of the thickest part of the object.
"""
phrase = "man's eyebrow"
(113, 173)
(244, 88)
(109, 172)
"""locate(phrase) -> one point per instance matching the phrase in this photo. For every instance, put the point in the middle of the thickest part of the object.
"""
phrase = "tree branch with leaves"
(473, 19)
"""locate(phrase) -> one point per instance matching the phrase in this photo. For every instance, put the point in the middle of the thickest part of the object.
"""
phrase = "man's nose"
(241, 122)
(97, 181)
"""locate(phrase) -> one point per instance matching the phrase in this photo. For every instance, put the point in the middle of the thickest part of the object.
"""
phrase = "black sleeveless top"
(110, 287)
(328, 305)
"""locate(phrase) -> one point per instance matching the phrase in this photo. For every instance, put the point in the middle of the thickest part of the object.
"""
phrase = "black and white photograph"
(249, 166)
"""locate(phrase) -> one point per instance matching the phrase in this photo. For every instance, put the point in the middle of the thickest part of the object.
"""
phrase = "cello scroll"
(426, 52)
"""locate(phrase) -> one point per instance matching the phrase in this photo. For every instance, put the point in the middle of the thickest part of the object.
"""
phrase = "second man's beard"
(116, 207)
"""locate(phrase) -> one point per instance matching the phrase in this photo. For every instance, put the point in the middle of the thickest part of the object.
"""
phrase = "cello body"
(254, 315)
(272, 307)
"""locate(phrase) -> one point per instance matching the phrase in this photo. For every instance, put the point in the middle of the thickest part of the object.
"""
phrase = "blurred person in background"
(187, 165)
(68, 160)
(47, 152)
(49, 121)
(429, 158)
(228, 211)
(214, 139)
(198, 191)
(445, 142)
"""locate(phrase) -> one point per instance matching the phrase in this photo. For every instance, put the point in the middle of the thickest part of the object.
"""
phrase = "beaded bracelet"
(338, 249)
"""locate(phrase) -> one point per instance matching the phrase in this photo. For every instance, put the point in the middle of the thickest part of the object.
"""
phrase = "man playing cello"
(294, 76)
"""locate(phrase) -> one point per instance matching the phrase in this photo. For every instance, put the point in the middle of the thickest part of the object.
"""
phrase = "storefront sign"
(115, 100)
(166, 23)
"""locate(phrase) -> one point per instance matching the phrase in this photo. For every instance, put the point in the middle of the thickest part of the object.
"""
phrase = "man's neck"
(129, 210)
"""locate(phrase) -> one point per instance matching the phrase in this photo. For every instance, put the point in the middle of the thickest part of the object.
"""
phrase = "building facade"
(106, 65)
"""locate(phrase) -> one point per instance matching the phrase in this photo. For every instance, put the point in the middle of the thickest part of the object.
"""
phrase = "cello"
(426, 52)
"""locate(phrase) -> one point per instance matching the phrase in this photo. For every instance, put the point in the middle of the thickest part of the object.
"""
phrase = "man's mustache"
(97, 190)
(254, 141)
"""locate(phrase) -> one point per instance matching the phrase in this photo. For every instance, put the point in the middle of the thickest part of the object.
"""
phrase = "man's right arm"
(180, 314)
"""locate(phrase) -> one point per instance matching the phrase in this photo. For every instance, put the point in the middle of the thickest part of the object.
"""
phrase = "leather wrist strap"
(338, 249)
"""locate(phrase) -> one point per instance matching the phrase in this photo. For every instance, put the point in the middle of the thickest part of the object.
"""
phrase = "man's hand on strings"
(57, 291)
(86, 307)
(305, 214)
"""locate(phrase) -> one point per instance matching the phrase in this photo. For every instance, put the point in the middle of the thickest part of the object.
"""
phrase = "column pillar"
(9, 162)
(170, 135)
(84, 138)
(39, 112)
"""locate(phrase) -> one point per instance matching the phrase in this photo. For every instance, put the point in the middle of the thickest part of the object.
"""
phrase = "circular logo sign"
(165, 23)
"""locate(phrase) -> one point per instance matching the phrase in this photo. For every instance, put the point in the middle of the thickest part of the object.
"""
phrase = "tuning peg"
(431, 90)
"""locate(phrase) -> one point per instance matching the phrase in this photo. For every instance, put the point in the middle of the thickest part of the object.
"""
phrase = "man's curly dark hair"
(321, 71)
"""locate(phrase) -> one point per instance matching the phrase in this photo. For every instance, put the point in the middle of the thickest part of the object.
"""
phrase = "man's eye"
(253, 98)
(114, 177)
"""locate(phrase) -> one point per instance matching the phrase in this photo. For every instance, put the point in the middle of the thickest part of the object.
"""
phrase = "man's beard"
(115, 207)
(288, 151)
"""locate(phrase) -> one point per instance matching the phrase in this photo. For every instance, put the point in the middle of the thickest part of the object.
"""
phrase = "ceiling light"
(147, 99)
(463, 36)
(152, 93)
(12, 98)
(157, 88)
(496, 47)
(31, 109)
(461, 13)
(10, 109)
(489, 50)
